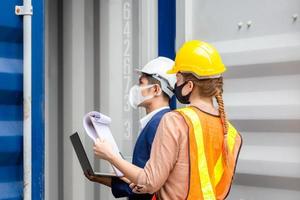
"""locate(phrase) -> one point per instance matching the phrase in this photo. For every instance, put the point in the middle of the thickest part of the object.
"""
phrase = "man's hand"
(98, 179)
(91, 177)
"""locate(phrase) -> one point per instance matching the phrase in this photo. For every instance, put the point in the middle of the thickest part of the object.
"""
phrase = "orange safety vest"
(205, 183)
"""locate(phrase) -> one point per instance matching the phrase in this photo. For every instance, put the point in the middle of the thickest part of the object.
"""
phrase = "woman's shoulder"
(175, 115)
(174, 119)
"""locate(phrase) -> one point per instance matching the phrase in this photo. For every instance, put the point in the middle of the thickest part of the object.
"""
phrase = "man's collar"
(144, 121)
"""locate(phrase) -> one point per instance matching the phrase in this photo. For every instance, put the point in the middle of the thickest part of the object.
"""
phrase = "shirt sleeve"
(120, 189)
(164, 152)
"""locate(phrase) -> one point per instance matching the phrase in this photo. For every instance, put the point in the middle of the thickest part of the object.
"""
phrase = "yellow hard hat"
(200, 58)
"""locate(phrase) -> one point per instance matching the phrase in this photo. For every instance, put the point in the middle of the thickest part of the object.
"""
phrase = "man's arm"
(119, 186)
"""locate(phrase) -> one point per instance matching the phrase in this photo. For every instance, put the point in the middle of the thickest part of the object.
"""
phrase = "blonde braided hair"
(219, 97)
(212, 88)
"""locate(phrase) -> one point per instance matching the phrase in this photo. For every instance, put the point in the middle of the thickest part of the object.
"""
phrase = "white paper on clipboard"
(96, 126)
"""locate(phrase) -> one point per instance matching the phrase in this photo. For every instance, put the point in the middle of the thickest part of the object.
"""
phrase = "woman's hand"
(103, 149)
(138, 189)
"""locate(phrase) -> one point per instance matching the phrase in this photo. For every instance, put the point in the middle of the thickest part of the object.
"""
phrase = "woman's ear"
(187, 88)
(190, 85)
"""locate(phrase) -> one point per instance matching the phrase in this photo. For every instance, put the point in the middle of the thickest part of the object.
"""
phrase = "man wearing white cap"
(154, 91)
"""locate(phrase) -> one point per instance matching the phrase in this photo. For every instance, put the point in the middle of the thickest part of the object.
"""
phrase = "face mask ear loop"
(146, 86)
(144, 98)
(149, 86)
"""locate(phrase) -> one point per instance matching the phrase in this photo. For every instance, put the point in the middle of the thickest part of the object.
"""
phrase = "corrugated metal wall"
(11, 102)
(92, 48)
(260, 43)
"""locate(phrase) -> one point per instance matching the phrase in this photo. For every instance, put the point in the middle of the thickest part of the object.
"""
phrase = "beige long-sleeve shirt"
(167, 170)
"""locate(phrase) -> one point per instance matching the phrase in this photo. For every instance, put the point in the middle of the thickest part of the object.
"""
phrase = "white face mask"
(136, 97)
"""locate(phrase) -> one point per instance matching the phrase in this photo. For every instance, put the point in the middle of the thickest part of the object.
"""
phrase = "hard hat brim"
(138, 71)
(175, 70)
(172, 70)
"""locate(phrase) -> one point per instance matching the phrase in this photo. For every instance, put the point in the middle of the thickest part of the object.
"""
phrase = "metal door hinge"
(22, 10)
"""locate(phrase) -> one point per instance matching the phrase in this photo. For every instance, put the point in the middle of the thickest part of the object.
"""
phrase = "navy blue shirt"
(141, 155)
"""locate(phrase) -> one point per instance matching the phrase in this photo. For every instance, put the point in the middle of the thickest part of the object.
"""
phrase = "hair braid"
(213, 88)
(219, 98)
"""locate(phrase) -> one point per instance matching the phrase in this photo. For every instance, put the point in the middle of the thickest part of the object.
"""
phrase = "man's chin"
(143, 105)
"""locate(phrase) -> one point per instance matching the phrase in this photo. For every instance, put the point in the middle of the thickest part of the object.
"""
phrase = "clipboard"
(96, 126)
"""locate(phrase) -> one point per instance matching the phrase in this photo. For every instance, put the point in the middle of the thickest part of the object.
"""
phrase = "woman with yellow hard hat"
(195, 149)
